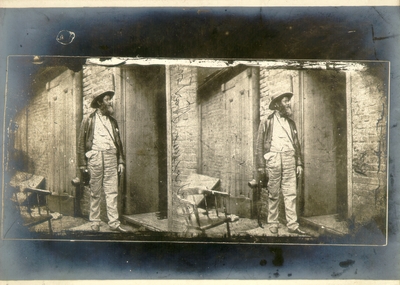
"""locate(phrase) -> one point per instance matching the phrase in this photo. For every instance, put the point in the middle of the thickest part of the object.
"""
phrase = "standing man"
(279, 159)
(100, 153)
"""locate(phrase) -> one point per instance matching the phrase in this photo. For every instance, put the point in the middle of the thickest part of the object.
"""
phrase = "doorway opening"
(142, 112)
(324, 193)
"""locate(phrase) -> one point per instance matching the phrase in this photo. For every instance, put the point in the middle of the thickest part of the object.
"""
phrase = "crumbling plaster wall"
(369, 136)
(184, 133)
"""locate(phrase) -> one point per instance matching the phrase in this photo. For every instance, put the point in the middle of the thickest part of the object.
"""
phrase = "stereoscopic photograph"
(225, 143)
(272, 151)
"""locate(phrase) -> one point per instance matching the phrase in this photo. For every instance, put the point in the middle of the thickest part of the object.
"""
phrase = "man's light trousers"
(103, 175)
(281, 168)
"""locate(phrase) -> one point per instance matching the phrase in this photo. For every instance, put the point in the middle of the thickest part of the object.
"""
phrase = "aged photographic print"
(226, 143)
(145, 149)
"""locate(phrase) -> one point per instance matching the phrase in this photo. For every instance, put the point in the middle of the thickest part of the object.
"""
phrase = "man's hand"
(84, 170)
(85, 175)
(299, 170)
(262, 177)
(121, 168)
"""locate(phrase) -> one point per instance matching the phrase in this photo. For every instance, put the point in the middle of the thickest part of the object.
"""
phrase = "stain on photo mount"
(65, 37)
(347, 263)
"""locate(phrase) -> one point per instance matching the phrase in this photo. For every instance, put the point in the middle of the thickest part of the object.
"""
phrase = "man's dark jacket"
(264, 139)
(85, 141)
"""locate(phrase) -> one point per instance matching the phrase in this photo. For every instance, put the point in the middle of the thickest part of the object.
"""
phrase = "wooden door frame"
(120, 103)
(300, 199)
(169, 145)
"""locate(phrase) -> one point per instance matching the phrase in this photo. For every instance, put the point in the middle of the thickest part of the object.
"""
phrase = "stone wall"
(214, 135)
(184, 132)
(95, 79)
(369, 107)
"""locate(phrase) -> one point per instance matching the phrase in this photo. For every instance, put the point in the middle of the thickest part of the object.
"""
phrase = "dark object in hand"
(85, 177)
(263, 178)
(253, 183)
(261, 182)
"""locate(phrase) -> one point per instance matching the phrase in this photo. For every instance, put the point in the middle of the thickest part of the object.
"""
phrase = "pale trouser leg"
(263, 205)
(95, 166)
(289, 189)
(110, 186)
(273, 165)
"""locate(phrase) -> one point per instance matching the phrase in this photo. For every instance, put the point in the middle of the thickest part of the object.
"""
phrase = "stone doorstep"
(323, 225)
(148, 221)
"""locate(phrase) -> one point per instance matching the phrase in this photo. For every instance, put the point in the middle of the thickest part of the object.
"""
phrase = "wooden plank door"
(137, 109)
(240, 134)
(323, 116)
(64, 101)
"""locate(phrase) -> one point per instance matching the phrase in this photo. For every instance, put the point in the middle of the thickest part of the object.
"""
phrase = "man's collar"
(100, 114)
(278, 114)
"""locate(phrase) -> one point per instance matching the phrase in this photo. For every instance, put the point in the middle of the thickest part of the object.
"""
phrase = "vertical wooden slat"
(78, 114)
(64, 138)
(58, 142)
(72, 136)
(242, 137)
(236, 132)
(50, 139)
(27, 132)
(169, 145)
(199, 147)
(128, 144)
(255, 111)
(349, 128)
(60, 115)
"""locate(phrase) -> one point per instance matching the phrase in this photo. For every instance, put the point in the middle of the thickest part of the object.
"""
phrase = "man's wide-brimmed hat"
(277, 97)
(99, 97)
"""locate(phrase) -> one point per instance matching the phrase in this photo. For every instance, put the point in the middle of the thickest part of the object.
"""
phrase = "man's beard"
(106, 109)
(285, 111)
